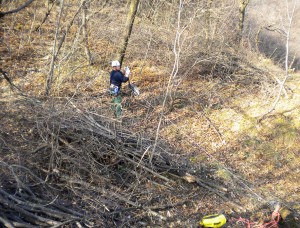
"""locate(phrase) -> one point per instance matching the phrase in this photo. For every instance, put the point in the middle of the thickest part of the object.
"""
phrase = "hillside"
(271, 26)
(203, 139)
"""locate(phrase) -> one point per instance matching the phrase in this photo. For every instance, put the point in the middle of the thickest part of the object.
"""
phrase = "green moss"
(223, 174)
(251, 142)
(284, 133)
(290, 156)
(268, 149)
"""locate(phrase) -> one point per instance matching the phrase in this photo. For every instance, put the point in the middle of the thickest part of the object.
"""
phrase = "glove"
(127, 71)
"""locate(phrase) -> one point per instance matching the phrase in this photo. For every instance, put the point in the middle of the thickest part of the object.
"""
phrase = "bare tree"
(84, 32)
(58, 44)
(177, 52)
(54, 53)
(287, 33)
(208, 21)
(242, 11)
(128, 28)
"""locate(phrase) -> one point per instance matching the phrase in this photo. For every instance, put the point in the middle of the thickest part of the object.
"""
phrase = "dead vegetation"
(78, 167)
(65, 162)
(86, 170)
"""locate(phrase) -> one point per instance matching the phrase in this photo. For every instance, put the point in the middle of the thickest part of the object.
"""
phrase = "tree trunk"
(208, 22)
(85, 34)
(128, 28)
(242, 12)
(54, 54)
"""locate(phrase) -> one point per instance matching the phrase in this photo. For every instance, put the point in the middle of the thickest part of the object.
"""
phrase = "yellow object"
(213, 221)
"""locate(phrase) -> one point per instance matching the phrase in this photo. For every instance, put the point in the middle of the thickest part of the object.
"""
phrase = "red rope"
(272, 224)
(243, 220)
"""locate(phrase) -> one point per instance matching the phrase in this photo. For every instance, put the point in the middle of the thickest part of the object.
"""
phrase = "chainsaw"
(134, 89)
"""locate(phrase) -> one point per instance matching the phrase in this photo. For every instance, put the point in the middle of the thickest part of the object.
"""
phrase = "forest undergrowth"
(70, 154)
(66, 161)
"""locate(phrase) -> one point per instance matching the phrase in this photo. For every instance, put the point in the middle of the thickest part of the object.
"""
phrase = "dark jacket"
(117, 78)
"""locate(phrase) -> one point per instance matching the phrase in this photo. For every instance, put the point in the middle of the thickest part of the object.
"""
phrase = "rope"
(271, 224)
(274, 222)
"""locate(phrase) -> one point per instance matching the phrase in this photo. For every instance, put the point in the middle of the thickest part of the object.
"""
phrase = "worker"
(117, 77)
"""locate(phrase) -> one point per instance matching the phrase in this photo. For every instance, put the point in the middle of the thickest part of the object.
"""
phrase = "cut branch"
(2, 14)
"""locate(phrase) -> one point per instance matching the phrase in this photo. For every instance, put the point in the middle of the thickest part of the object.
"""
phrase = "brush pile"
(85, 170)
(90, 171)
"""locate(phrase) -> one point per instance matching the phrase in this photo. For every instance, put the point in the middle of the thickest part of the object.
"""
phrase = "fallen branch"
(218, 191)
(31, 217)
(2, 14)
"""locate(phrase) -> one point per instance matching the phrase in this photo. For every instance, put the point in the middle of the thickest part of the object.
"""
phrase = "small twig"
(190, 178)
(143, 156)
(149, 170)
(46, 16)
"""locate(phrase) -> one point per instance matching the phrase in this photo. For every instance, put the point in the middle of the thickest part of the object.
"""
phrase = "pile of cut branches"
(88, 170)
(22, 207)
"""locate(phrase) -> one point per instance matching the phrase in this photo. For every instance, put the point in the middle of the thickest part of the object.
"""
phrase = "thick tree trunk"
(128, 28)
